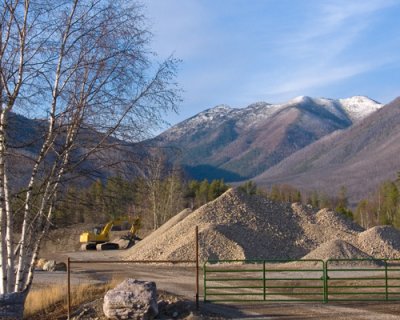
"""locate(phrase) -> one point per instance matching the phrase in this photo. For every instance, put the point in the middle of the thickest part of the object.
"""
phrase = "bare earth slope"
(241, 226)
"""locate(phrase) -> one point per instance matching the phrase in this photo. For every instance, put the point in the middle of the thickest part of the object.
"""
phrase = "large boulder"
(131, 299)
(40, 263)
(52, 265)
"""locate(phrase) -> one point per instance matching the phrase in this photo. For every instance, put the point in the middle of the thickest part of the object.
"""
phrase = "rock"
(61, 266)
(49, 265)
(40, 263)
(131, 299)
(52, 265)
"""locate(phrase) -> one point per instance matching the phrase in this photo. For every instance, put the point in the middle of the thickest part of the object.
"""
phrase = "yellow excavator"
(99, 238)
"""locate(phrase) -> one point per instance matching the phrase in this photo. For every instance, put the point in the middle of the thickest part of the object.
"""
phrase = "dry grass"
(53, 299)
(42, 299)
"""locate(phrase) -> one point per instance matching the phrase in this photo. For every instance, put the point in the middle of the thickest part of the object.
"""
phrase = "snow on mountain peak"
(300, 99)
(257, 105)
(359, 107)
(219, 108)
(353, 108)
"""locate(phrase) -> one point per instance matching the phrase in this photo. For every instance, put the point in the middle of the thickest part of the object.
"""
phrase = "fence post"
(325, 279)
(386, 281)
(68, 288)
(264, 288)
(205, 279)
(197, 268)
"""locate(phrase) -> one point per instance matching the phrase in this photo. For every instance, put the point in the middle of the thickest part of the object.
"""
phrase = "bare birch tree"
(85, 68)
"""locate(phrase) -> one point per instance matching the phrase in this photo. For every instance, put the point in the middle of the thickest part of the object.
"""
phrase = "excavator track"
(107, 246)
(88, 246)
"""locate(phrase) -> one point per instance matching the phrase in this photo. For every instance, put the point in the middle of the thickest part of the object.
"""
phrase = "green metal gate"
(264, 280)
(363, 279)
(302, 280)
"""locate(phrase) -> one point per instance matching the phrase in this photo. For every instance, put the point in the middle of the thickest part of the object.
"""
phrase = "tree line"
(154, 202)
(382, 207)
(157, 199)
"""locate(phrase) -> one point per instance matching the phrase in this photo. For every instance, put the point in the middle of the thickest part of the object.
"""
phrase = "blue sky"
(237, 52)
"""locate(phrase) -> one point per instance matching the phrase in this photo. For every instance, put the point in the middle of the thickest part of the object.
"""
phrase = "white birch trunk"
(9, 238)
(3, 213)
(23, 259)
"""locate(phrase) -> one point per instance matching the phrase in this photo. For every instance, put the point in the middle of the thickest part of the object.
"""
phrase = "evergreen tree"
(342, 203)
(249, 187)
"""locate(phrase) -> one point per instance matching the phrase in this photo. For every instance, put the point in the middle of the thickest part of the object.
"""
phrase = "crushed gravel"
(380, 241)
(241, 226)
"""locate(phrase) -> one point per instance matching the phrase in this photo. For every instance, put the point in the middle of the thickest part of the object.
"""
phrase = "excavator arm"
(136, 225)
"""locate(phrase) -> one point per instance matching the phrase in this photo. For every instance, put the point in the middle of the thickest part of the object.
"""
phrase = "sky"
(238, 52)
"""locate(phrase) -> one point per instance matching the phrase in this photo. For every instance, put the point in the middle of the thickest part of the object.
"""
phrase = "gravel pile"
(241, 226)
(340, 249)
(322, 226)
(155, 235)
(336, 249)
(381, 242)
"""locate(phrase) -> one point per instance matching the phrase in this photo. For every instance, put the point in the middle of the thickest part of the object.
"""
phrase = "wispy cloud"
(315, 53)
(332, 27)
(303, 80)
(240, 51)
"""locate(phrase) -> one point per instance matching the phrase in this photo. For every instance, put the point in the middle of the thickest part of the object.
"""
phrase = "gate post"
(205, 281)
(386, 281)
(68, 288)
(264, 288)
(197, 267)
(325, 279)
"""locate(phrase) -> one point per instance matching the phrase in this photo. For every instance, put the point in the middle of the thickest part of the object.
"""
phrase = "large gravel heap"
(241, 226)
(381, 241)
(337, 249)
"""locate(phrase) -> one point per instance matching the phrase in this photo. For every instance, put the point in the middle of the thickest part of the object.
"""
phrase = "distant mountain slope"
(236, 144)
(359, 158)
(25, 138)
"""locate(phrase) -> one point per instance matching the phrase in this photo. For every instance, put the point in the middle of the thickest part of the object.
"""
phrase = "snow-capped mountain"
(358, 107)
(238, 143)
(350, 109)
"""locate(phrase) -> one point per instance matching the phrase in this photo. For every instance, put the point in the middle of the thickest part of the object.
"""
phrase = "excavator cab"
(97, 230)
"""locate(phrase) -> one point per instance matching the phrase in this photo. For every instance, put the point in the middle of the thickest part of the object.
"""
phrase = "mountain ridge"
(245, 142)
(359, 157)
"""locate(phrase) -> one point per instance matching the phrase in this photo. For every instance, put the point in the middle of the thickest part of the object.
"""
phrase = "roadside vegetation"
(53, 299)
